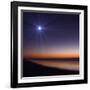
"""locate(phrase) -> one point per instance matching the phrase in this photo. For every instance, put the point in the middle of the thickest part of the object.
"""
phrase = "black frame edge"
(14, 47)
(53, 5)
(86, 44)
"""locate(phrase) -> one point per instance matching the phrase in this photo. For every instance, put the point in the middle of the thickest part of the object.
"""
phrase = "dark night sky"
(59, 33)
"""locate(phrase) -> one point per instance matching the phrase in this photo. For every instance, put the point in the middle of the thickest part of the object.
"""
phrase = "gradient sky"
(59, 34)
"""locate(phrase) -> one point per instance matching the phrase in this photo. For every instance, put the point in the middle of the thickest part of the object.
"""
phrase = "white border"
(52, 78)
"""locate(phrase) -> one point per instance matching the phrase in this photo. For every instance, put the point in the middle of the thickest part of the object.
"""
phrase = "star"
(39, 28)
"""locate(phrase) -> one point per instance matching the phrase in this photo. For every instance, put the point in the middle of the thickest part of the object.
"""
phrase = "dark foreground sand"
(31, 69)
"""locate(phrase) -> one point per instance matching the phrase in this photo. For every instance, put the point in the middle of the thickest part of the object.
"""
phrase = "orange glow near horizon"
(52, 55)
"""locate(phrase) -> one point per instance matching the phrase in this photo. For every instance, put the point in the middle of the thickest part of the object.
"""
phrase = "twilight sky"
(50, 34)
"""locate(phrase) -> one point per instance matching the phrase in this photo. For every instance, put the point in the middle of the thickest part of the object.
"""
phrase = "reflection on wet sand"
(67, 65)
